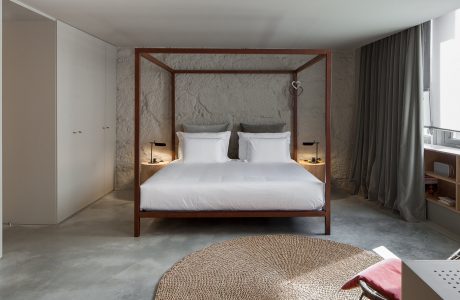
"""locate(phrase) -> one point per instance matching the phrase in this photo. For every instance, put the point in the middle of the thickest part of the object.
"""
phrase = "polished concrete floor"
(94, 256)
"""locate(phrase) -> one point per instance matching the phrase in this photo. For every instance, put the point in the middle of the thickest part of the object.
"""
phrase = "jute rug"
(266, 267)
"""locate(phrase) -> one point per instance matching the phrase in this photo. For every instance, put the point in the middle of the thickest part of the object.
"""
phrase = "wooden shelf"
(436, 201)
(442, 149)
(434, 175)
(447, 186)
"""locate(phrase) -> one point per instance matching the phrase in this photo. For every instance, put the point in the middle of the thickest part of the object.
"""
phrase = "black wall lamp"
(152, 144)
(316, 159)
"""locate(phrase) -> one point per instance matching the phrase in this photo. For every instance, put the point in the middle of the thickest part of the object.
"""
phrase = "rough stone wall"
(216, 98)
(343, 107)
(212, 98)
(311, 110)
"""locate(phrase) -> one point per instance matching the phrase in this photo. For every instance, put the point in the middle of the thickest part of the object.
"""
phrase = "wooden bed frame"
(145, 53)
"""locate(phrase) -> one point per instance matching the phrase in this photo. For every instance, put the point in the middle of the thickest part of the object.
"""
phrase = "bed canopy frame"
(146, 53)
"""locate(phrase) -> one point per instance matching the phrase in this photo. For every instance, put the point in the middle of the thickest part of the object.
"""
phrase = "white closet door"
(80, 106)
(110, 117)
(95, 111)
(70, 96)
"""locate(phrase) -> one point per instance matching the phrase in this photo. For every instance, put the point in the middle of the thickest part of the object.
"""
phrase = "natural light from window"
(446, 71)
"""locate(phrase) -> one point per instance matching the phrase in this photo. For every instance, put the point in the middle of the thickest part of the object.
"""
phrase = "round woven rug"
(266, 267)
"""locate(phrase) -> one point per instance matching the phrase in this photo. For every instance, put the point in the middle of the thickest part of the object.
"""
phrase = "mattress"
(234, 185)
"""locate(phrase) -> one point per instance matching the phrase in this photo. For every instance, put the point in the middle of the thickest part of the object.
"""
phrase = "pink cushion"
(384, 277)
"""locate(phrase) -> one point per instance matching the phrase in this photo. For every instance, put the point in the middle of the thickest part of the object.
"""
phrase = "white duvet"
(234, 185)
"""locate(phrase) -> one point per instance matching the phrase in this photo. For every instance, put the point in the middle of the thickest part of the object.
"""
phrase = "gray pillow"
(262, 128)
(205, 128)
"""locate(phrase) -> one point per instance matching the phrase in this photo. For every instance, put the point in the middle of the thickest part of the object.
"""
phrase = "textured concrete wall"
(215, 98)
(343, 101)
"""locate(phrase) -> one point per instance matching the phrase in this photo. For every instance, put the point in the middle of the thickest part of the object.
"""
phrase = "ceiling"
(14, 12)
(243, 23)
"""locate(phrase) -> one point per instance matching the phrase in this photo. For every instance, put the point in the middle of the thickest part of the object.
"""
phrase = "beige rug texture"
(266, 267)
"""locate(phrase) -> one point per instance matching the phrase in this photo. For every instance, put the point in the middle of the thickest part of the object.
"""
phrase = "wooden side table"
(318, 170)
(147, 169)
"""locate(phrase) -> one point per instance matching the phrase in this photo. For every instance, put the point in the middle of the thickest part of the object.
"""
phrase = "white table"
(431, 279)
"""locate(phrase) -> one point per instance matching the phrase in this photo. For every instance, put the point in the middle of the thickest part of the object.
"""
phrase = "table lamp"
(152, 144)
(316, 159)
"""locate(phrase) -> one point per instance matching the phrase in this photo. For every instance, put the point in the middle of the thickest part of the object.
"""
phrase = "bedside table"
(318, 170)
(147, 170)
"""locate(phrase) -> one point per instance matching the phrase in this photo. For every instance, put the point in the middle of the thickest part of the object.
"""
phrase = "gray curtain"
(388, 158)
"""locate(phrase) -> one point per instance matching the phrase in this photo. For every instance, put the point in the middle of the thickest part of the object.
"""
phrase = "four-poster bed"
(146, 53)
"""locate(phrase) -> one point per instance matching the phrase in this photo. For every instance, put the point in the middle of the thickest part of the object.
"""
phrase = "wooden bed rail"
(146, 53)
(233, 214)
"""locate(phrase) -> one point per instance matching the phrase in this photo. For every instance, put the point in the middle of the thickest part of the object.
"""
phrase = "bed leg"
(137, 226)
(327, 224)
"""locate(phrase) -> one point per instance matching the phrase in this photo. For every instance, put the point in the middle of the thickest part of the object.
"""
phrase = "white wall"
(29, 120)
(1, 98)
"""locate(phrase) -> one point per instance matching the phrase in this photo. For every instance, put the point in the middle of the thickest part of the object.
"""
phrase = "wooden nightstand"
(147, 170)
(318, 170)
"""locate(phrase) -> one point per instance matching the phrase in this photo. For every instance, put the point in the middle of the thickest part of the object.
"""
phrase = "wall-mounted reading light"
(316, 159)
(154, 160)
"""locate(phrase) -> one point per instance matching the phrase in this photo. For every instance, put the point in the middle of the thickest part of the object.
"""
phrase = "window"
(442, 105)
(445, 72)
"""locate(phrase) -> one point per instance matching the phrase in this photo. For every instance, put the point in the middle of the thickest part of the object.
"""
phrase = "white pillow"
(245, 136)
(265, 150)
(204, 150)
(225, 136)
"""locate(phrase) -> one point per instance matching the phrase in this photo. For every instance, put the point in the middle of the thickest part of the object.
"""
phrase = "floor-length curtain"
(388, 158)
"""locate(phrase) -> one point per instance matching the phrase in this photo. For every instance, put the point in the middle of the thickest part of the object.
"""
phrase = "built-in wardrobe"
(58, 120)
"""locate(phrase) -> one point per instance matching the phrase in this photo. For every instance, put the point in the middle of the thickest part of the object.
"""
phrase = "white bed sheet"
(234, 185)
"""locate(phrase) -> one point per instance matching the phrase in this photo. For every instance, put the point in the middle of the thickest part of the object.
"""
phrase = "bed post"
(294, 119)
(173, 115)
(137, 183)
(327, 221)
